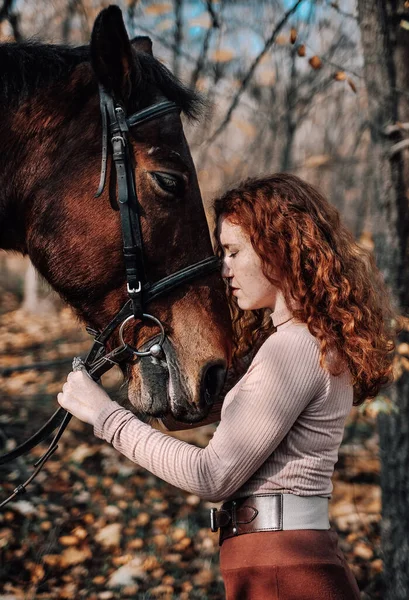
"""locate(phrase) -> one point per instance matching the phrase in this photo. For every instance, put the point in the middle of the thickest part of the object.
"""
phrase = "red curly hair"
(333, 283)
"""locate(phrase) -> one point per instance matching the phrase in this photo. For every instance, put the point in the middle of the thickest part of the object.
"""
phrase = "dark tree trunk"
(386, 52)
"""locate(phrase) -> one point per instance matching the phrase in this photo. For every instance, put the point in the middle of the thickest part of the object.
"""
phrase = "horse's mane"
(28, 66)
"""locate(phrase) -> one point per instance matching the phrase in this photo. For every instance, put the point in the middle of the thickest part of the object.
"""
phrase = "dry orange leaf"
(318, 160)
(293, 35)
(377, 565)
(223, 55)
(150, 563)
(158, 9)
(301, 50)
(202, 20)
(52, 560)
(80, 533)
(281, 40)
(366, 240)
(352, 85)
(37, 573)
(110, 535)
(315, 62)
(363, 551)
(178, 534)
(247, 128)
(165, 25)
(142, 519)
(340, 76)
(68, 540)
(74, 556)
(182, 545)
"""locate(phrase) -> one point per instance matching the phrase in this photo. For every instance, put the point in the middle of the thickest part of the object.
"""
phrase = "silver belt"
(270, 512)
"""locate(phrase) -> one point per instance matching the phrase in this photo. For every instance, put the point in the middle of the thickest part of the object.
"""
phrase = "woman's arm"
(282, 379)
(170, 424)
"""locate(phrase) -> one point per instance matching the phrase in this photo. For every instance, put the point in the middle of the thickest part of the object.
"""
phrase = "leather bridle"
(116, 125)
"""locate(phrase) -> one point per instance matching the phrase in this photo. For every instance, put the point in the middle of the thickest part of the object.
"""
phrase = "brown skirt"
(287, 565)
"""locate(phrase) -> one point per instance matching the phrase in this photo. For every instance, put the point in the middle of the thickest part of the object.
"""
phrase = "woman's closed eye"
(233, 254)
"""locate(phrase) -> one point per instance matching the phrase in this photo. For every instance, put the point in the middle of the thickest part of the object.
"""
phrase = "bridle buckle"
(134, 290)
(118, 138)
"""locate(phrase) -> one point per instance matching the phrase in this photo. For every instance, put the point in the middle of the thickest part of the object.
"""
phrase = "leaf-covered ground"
(93, 525)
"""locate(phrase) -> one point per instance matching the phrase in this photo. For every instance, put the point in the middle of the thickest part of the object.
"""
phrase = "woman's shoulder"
(294, 337)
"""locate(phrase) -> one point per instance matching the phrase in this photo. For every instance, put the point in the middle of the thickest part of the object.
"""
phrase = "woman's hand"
(82, 397)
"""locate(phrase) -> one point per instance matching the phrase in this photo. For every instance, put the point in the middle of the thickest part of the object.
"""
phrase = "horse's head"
(75, 239)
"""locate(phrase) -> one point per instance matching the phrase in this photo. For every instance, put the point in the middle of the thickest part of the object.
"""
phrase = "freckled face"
(242, 269)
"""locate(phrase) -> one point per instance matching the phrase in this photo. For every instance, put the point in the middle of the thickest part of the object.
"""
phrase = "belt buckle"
(234, 517)
(213, 524)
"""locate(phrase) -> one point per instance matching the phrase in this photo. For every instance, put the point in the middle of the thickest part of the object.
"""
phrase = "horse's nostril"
(212, 381)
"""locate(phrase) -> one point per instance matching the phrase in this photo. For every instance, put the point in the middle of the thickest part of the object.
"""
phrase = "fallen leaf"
(74, 556)
(82, 452)
(363, 551)
(178, 534)
(110, 535)
(68, 540)
(127, 574)
(52, 560)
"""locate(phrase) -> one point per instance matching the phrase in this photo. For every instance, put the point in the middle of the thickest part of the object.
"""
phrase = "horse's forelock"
(29, 66)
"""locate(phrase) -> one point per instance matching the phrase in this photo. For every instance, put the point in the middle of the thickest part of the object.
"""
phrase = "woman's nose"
(226, 270)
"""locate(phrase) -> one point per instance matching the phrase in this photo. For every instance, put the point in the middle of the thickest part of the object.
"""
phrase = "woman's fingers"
(82, 397)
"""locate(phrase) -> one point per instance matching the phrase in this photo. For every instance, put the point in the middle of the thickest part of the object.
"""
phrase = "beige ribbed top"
(280, 430)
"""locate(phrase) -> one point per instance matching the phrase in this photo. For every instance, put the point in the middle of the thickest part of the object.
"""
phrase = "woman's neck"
(280, 313)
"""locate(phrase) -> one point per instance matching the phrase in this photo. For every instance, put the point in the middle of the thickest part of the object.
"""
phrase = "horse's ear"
(111, 53)
(142, 43)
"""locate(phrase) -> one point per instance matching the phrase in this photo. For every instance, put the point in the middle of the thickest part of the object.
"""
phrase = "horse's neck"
(12, 219)
(37, 168)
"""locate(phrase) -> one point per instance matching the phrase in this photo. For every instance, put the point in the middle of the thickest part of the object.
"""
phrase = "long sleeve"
(257, 414)
(172, 424)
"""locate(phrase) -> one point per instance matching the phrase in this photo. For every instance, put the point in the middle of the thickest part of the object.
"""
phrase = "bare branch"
(131, 9)
(248, 76)
(178, 4)
(67, 23)
(206, 42)
(341, 12)
(5, 10)
(6, 14)
(398, 147)
(213, 16)
(390, 129)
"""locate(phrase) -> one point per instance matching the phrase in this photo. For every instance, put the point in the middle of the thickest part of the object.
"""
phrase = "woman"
(310, 308)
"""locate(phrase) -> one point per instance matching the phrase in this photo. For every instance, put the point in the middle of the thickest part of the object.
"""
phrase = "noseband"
(116, 125)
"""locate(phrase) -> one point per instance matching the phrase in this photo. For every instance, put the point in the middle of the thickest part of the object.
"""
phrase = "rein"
(116, 125)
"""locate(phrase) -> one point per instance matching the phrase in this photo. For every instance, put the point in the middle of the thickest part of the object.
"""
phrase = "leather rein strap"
(98, 361)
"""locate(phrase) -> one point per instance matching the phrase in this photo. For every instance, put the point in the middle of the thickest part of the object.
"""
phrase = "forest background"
(286, 87)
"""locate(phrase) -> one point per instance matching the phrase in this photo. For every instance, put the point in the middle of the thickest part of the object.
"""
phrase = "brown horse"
(50, 162)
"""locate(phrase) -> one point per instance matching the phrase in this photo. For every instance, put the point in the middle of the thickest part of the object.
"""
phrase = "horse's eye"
(169, 183)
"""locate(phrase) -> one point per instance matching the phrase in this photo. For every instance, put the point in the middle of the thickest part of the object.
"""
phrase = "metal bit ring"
(158, 343)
